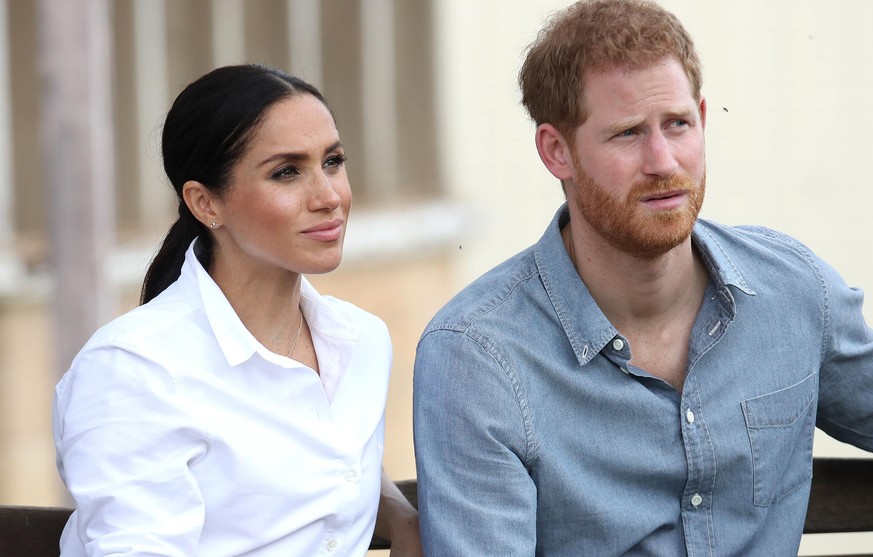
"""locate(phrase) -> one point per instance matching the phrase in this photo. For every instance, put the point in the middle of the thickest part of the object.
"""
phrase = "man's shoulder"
(489, 293)
(749, 241)
(758, 255)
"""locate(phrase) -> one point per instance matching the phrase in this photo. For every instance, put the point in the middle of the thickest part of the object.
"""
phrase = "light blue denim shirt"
(535, 436)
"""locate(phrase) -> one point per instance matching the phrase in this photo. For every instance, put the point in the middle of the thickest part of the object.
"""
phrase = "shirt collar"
(571, 298)
(722, 269)
(235, 341)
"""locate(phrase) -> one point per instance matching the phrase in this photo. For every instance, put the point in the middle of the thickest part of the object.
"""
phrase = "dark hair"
(206, 132)
(598, 35)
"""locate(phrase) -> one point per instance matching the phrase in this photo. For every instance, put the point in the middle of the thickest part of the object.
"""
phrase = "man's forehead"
(664, 82)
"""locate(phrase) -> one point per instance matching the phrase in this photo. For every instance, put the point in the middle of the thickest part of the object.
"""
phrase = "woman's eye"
(335, 161)
(285, 172)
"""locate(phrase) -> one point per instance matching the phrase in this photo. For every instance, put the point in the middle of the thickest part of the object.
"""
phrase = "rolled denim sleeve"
(845, 408)
(125, 448)
(473, 449)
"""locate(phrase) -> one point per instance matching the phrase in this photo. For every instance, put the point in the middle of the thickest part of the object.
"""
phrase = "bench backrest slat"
(841, 500)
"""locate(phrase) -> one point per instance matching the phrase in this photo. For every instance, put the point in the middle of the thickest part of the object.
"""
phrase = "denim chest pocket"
(781, 426)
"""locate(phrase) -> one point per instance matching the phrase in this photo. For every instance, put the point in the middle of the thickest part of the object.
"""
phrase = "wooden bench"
(36, 531)
(841, 500)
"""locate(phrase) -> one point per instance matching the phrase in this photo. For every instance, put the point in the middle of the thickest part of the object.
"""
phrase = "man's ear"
(202, 203)
(703, 112)
(554, 151)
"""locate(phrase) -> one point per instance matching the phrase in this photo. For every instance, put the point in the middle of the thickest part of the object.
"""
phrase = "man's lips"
(665, 201)
(664, 195)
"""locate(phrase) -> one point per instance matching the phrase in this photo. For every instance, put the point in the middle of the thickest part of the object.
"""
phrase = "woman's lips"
(327, 231)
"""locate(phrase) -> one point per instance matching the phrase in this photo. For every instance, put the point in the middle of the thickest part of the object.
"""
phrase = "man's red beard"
(631, 228)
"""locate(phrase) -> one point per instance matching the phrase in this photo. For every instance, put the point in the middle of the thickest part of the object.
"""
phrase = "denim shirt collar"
(571, 298)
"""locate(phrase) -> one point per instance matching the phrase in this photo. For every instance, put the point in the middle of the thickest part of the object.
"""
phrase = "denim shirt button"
(618, 344)
(696, 499)
(625, 370)
(689, 416)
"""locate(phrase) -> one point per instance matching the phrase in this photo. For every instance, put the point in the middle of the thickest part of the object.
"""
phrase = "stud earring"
(214, 225)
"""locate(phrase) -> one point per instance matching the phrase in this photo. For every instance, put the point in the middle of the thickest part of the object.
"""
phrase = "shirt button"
(696, 499)
(626, 370)
(689, 416)
(618, 344)
(351, 476)
(331, 545)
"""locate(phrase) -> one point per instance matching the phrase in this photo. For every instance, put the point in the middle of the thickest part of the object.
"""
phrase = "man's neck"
(651, 302)
(638, 294)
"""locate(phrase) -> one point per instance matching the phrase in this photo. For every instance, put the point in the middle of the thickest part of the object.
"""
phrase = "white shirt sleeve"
(126, 446)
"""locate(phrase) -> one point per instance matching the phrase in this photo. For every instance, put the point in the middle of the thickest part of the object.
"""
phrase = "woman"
(237, 411)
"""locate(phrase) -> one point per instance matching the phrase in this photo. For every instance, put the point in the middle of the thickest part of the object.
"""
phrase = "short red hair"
(598, 35)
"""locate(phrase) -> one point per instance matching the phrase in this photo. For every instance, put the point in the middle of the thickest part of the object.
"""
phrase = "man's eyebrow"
(633, 122)
(622, 125)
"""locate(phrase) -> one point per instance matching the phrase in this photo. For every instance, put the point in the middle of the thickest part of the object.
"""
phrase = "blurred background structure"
(442, 162)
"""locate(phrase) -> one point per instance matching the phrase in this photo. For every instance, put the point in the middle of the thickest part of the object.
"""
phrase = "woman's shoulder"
(160, 322)
(351, 311)
(343, 310)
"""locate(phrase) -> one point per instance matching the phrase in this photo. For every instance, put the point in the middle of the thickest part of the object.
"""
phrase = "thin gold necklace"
(290, 352)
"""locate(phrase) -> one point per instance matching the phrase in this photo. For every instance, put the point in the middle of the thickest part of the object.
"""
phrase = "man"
(638, 381)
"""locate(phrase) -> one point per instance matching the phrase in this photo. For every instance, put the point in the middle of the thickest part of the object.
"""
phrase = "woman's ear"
(202, 204)
(554, 151)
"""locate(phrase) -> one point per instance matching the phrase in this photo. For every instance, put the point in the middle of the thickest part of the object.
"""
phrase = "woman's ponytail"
(166, 267)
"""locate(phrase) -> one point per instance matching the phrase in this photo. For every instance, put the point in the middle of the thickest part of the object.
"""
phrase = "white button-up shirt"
(178, 433)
